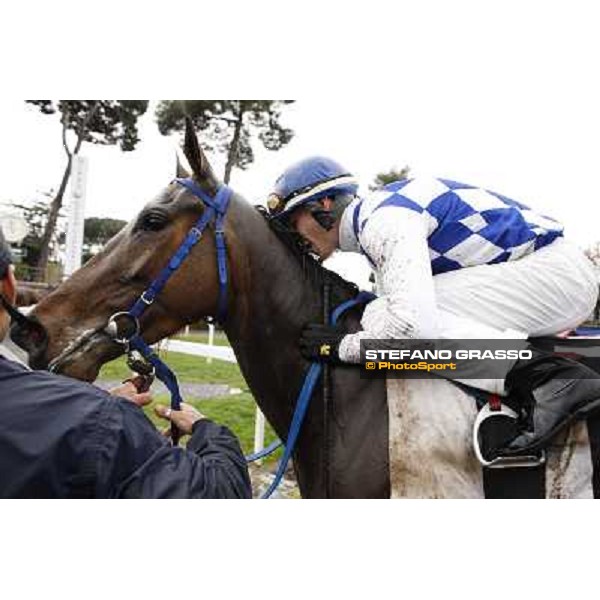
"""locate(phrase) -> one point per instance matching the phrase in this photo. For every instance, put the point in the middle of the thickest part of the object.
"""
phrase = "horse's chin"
(86, 366)
(87, 373)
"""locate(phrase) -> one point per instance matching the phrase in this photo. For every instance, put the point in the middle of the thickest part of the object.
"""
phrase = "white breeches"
(549, 291)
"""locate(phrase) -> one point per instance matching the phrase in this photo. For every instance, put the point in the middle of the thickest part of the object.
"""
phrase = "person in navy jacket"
(62, 438)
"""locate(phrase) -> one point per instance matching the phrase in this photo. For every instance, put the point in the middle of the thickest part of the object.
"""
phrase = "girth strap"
(517, 482)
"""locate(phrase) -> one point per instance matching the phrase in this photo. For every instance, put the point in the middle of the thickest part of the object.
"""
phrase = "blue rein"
(311, 379)
(216, 208)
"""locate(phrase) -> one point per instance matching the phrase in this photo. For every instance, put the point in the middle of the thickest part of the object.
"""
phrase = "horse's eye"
(153, 221)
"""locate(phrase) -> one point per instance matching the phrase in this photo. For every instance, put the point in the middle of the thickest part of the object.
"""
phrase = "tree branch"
(64, 135)
(84, 124)
(235, 142)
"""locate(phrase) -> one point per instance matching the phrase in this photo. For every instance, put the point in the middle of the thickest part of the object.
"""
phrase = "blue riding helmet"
(308, 180)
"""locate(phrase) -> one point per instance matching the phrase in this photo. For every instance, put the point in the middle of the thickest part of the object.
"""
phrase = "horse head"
(274, 288)
(113, 279)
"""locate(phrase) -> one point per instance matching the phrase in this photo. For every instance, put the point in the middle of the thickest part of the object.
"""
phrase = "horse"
(275, 288)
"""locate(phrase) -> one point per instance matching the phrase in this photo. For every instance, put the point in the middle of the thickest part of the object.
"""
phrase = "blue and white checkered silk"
(467, 225)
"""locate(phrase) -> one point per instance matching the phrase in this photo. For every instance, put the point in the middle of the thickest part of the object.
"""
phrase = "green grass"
(236, 412)
(193, 369)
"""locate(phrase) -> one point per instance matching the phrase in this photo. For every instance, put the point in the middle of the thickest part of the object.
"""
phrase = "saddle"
(497, 423)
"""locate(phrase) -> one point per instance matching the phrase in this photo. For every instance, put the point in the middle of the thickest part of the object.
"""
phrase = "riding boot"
(548, 392)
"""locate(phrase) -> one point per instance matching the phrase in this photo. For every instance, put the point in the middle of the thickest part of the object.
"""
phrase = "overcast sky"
(505, 98)
(537, 144)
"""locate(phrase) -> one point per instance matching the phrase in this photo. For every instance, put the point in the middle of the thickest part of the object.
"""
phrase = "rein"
(130, 337)
(306, 393)
(124, 327)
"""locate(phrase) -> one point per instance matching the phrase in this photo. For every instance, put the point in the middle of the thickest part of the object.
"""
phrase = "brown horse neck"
(271, 299)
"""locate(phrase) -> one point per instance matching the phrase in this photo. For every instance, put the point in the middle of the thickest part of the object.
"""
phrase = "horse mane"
(339, 288)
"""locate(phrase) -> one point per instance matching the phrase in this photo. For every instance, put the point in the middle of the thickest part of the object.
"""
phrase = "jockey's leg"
(547, 292)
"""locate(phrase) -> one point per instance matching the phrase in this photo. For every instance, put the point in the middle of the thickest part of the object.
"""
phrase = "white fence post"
(259, 432)
(211, 339)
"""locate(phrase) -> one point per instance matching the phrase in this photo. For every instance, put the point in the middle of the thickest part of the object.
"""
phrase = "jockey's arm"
(396, 242)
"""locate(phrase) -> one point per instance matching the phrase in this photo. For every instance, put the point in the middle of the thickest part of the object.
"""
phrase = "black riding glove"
(321, 342)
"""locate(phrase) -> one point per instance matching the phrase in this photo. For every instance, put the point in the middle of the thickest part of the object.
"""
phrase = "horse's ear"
(196, 158)
(181, 171)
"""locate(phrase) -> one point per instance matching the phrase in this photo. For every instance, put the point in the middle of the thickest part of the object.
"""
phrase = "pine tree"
(228, 126)
(106, 122)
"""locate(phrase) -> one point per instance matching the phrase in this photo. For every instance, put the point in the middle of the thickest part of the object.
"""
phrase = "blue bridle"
(215, 208)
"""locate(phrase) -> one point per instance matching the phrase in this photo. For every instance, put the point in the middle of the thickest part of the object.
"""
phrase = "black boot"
(548, 392)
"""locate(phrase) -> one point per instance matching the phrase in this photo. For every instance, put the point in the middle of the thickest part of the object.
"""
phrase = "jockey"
(451, 261)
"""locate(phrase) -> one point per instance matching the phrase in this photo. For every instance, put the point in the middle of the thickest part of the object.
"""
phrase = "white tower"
(75, 220)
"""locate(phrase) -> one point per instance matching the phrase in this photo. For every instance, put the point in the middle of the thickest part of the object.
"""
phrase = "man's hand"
(184, 419)
(129, 391)
(321, 342)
